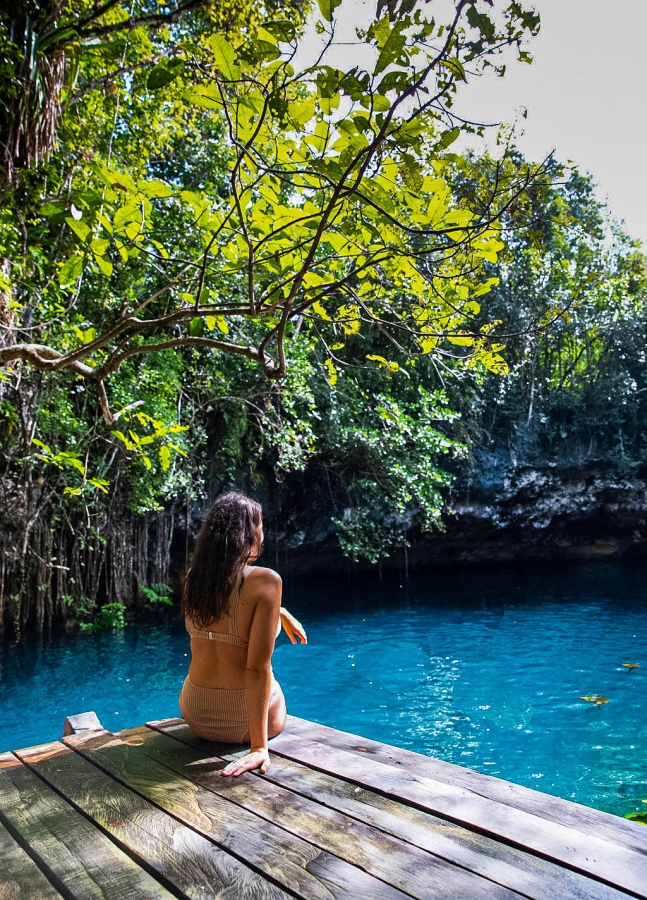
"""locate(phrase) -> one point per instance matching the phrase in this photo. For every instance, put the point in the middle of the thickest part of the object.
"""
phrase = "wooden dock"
(145, 814)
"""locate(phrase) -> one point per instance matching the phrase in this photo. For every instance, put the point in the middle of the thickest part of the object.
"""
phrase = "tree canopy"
(328, 207)
(228, 260)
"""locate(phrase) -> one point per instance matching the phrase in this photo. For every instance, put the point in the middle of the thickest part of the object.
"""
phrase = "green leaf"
(481, 21)
(327, 8)
(86, 336)
(447, 138)
(281, 29)
(100, 246)
(206, 96)
(320, 310)
(100, 483)
(196, 327)
(165, 458)
(217, 321)
(332, 372)
(80, 229)
(384, 363)
(455, 66)
(104, 264)
(155, 188)
(164, 73)
(71, 462)
(391, 49)
(411, 172)
(71, 271)
(50, 209)
(42, 446)
(461, 339)
(128, 213)
(225, 57)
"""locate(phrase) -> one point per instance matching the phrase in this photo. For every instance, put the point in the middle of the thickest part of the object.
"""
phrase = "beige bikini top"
(232, 635)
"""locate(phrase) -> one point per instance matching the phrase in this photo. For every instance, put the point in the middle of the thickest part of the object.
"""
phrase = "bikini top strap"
(232, 635)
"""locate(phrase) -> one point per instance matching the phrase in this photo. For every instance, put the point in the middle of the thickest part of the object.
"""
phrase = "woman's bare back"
(216, 663)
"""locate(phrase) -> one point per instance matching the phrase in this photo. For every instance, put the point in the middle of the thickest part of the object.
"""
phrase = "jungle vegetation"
(227, 260)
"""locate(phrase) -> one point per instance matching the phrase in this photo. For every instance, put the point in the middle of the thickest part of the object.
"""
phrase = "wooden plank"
(20, 877)
(408, 868)
(83, 860)
(182, 857)
(531, 876)
(602, 859)
(298, 866)
(82, 722)
(555, 809)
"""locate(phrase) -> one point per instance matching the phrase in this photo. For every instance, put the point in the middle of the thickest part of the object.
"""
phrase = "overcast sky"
(586, 96)
(586, 93)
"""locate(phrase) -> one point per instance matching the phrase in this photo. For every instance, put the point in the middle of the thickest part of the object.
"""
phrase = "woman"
(233, 613)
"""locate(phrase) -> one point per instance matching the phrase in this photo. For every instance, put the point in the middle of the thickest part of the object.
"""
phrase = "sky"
(586, 97)
(585, 93)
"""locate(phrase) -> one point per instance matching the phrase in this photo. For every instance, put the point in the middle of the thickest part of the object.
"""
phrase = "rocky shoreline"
(527, 514)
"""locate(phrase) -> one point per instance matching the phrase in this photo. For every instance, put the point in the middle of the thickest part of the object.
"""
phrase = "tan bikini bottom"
(218, 714)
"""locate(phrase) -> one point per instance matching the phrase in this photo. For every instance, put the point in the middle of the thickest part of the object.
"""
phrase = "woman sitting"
(233, 613)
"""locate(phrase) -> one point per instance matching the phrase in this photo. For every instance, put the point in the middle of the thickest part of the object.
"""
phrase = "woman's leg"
(277, 713)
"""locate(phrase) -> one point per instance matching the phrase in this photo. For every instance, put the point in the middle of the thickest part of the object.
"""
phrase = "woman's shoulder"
(263, 584)
(262, 575)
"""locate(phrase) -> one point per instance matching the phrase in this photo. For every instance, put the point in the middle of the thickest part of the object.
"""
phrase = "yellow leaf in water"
(595, 698)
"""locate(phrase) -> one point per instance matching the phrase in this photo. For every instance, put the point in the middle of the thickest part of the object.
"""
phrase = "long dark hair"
(226, 541)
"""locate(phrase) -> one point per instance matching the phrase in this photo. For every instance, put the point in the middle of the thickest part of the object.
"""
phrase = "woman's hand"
(255, 759)
(292, 627)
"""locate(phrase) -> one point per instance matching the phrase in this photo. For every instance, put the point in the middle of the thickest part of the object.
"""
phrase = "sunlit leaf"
(225, 57)
(332, 372)
(71, 271)
(81, 229)
(165, 457)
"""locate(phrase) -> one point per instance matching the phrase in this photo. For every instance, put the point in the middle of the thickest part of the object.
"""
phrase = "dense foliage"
(226, 264)
(572, 294)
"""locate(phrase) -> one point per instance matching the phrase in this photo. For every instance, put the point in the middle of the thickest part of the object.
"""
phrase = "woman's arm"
(258, 674)
(292, 627)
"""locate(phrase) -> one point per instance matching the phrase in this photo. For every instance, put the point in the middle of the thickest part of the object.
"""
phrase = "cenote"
(482, 667)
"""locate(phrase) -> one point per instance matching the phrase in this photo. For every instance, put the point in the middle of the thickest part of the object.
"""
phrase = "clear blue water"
(483, 668)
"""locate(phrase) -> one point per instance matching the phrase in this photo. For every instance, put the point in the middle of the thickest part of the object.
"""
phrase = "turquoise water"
(483, 668)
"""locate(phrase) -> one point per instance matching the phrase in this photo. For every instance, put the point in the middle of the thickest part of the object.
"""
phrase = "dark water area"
(481, 667)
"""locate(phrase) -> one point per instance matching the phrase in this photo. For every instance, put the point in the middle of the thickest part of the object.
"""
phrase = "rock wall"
(506, 513)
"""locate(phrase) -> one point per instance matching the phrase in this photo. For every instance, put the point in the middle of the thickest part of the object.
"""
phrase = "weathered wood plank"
(530, 875)
(83, 859)
(555, 809)
(80, 723)
(409, 868)
(20, 877)
(602, 859)
(181, 856)
(298, 866)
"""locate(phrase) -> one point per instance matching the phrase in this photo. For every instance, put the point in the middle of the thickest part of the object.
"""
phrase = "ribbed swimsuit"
(219, 714)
